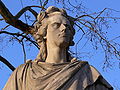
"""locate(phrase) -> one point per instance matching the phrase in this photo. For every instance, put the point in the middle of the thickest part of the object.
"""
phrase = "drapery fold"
(76, 75)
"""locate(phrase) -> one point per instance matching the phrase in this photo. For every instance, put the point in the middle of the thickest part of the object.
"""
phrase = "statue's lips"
(64, 35)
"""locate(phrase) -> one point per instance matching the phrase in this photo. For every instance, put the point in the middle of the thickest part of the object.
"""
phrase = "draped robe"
(76, 75)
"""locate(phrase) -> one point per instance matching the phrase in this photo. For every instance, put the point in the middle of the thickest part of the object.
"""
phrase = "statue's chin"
(63, 44)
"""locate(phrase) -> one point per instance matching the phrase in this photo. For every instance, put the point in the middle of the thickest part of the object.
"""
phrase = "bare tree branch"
(23, 48)
(7, 63)
(1, 19)
(45, 3)
(83, 16)
(18, 34)
(100, 13)
(25, 9)
(5, 27)
(10, 19)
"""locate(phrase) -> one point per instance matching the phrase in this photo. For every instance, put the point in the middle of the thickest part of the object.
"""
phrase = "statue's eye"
(56, 25)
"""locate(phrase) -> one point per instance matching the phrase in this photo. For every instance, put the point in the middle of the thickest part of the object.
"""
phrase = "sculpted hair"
(41, 30)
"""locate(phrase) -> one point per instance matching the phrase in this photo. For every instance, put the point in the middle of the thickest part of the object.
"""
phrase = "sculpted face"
(59, 31)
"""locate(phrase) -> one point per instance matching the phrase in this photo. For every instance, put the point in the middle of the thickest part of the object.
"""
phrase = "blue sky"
(13, 52)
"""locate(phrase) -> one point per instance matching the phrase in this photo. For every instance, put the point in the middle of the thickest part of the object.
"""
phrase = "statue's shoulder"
(17, 76)
(86, 65)
(100, 78)
(23, 67)
(94, 75)
(27, 63)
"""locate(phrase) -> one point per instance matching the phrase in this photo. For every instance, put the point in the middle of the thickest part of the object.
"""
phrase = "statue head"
(47, 25)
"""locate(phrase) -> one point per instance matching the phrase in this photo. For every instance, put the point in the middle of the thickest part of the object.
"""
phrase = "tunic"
(76, 75)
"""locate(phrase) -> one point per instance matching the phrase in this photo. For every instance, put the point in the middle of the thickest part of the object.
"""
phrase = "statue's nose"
(62, 28)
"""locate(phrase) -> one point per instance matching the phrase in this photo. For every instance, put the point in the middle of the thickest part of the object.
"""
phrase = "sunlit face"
(59, 31)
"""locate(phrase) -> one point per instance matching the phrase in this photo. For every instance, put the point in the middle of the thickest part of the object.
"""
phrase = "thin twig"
(80, 28)
(1, 19)
(100, 13)
(23, 48)
(95, 31)
(78, 43)
(18, 34)
(115, 38)
(5, 27)
(76, 19)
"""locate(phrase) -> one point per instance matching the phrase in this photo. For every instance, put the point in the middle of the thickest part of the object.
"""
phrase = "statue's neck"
(56, 55)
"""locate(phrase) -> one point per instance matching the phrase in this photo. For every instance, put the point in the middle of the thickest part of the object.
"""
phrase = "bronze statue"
(54, 68)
